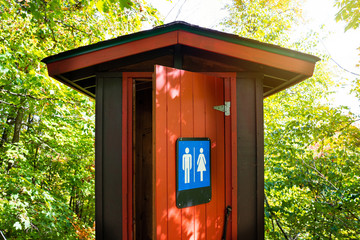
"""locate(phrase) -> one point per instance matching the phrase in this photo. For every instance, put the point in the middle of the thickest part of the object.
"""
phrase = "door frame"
(127, 154)
(230, 136)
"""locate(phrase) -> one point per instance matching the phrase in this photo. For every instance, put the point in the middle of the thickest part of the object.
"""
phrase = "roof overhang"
(282, 67)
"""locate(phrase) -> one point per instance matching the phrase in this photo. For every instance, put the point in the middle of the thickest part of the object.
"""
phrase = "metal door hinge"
(224, 108)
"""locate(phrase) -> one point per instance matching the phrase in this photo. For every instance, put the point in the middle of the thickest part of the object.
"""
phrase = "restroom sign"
(193, 177)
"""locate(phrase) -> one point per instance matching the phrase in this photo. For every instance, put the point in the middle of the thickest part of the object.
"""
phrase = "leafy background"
(312, 165)
(312, 169)
(47, 129)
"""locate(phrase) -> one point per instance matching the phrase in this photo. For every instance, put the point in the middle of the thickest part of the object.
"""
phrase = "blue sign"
(193, 163)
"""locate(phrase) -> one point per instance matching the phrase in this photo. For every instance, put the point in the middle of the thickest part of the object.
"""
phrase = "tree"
(263, 20)
(349, 12)
(311, 148)
(312, 164)
(47, 129)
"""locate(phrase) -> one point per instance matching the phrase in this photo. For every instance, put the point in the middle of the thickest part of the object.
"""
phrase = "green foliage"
(349, 11)
(262, 20)
(312, 163)
(47, 129)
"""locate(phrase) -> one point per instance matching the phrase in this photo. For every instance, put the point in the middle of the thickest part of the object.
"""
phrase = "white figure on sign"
(201, 162)
(187, 164)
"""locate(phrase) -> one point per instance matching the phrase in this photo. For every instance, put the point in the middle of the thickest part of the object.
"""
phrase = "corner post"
(108, 156)
(250, 155)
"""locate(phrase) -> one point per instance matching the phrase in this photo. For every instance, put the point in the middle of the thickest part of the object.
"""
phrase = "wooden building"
(156, 86)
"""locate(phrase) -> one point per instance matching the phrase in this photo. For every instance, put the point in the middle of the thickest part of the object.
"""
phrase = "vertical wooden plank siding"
(260, 155)
(130, 152)
(124, 161)
(99, 229)
(230, 150)
(211, 133)
(250, 162)
(213, 226)
(219, 182)
(108, 147)
(187, 130)
(234, 173)
(160, 152)
(173, 133)
(184, 108)
(228, 172)
(200, 131)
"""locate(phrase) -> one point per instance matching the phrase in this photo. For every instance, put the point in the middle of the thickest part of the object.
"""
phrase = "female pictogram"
(201, 162)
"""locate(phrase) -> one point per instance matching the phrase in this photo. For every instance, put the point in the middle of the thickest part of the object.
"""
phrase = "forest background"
(312, 161)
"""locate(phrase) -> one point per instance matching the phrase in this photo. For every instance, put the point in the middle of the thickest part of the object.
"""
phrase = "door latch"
(224, 108)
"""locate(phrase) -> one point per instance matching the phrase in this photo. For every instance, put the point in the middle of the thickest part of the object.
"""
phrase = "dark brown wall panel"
(108, 155)
(250, 164)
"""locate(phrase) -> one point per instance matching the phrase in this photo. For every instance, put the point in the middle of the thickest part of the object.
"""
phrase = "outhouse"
(179, 108)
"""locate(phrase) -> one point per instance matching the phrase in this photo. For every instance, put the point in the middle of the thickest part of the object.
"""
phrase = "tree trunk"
(5, 134)
(17, 128)
(18, 124)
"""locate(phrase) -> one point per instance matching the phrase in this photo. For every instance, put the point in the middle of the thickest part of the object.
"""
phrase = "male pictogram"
(187, 165)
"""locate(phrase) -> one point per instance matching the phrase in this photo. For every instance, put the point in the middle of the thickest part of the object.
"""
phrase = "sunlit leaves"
(349, 11)
(312, 155)
(312, 165)
(261, 19)
(47, 168)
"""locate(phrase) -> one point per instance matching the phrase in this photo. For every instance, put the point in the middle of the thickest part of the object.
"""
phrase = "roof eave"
(175, 26)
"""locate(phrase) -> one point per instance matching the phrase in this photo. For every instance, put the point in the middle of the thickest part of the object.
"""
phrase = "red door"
(183, 107)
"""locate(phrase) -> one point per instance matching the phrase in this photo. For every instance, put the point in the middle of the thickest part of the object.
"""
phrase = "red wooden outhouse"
(179, 81)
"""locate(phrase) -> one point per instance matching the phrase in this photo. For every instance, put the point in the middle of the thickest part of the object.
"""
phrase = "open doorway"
(143, 159)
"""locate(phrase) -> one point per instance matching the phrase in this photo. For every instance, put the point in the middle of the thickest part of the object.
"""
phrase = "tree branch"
(13, 105)
(71, 27)
(276, 220)
(35, 98)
